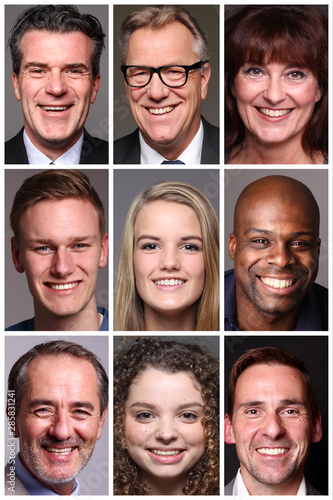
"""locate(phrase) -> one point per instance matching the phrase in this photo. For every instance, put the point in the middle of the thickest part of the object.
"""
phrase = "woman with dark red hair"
(276, 71)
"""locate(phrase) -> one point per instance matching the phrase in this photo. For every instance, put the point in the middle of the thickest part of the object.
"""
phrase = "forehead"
(270, 383)
(171, 44)
(162, 213)
(54, 47)
(70, 215)
(265, 210)
(164, 388)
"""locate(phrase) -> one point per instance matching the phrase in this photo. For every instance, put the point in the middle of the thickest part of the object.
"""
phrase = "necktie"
(172, 162)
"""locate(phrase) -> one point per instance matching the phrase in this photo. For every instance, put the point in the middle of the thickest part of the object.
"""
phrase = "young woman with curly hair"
(166, 419)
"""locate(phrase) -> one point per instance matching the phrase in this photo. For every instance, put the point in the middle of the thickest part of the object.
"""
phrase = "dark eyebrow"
(268, 232)
(282, 402)
(192, 404)
(49, 402)
(43, 65)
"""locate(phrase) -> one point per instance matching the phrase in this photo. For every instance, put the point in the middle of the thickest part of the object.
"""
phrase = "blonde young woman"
(168, 267)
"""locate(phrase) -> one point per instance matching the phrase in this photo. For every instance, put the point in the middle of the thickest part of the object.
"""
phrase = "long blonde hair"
(128, 306)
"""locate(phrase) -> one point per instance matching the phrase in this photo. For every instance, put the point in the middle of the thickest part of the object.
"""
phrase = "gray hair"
(17, 380)
(56, 19)
(156, 17)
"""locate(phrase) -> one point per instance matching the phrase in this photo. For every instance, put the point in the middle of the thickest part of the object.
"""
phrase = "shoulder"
(229, 277)
(15, 152)
(127, 149)
(94, 150)
(228, 488)
(211, 143)
(105, 322)
(310, 490)
(17, 488)
(23, 326)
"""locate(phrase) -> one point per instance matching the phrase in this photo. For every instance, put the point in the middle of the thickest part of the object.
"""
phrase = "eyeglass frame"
(152, 70)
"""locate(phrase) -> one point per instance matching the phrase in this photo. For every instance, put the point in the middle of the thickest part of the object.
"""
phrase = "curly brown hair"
(170, 357)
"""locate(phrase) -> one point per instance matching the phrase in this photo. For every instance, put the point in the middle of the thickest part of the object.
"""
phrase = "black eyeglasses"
(171, 76)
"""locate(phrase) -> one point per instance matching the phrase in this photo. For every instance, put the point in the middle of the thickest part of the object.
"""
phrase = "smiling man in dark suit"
(166, 68)
(55, 53)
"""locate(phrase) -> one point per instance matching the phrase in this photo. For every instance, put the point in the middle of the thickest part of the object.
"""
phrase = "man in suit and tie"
(55, 53)
(165, 63)
(272, 417)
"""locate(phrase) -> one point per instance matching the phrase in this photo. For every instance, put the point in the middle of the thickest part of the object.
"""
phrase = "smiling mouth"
(59, 451)
(166, 453)
(171, 282)
(272, 451)
(275, 283)
(56, 109)
(274, 113)
(161, 111)
(62, 286)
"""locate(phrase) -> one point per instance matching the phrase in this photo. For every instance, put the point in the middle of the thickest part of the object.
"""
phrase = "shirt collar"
(191, 155)
(240, 489)
(36, 157)
(31, 483)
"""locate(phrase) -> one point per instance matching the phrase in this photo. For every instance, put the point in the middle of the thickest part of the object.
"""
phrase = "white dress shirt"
(36, 157)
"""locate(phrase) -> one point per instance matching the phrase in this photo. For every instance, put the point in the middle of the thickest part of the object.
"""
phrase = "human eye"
(43, 249)
(144, 416)
(191, 247)
(149, 246)
(37, 71)
(301, 245)
(252, 412)
(188, 416)
(80, 414)
(43, 412)
(260, 241)
(254, 71)
(296, 75)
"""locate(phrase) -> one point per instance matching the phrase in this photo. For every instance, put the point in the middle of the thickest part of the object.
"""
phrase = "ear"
(205, 77)
(232, 245)
(96, 85)
(317, 431)
(104, 251)
(229, 436)
(16, 86)
(101, 423)
(318, 94)
(16, 256)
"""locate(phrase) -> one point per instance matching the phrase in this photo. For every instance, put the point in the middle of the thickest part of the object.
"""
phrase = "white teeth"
(277, 283)
(274, 113)
(58, 451)
(161, 111)
(65, 286)
(54, 108)
(272, 451)
(167, 282)
(166, 453)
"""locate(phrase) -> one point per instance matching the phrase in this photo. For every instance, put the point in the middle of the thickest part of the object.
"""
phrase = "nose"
(156, 90)
(280, 255)
(61, 427)
(169, 259)
(56, 84)
(272, 426)
(62, 264)
(274, 91)
(166, 430)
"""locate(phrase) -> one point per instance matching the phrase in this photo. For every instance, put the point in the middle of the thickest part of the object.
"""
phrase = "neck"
(53, 149)
(180, 321)
(289, 487)
(253, 151)
(250, 318)
(88, 319)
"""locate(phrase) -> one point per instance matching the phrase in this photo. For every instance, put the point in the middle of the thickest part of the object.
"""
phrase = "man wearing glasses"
(166, 68)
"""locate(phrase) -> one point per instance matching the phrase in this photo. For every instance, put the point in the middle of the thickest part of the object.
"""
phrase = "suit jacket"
(127, 149)
(310, 490)
(19, 489)
(94, 150)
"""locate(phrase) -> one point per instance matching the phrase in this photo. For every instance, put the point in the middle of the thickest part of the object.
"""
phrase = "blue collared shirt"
(36, 157)
(313, 315)
(31, 483)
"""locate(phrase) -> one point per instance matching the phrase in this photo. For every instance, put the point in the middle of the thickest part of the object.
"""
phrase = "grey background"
(235, 180)
(97, 123)
(129, 183)
(208, 17)
(94, 478)
(18, 299)
(313, 351)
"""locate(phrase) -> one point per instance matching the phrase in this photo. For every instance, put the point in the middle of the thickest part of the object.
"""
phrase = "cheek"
(133, 95)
